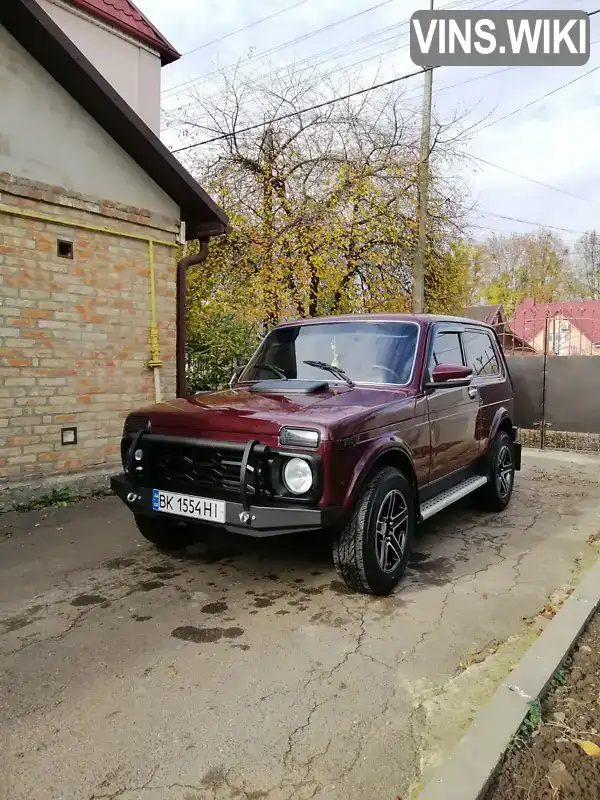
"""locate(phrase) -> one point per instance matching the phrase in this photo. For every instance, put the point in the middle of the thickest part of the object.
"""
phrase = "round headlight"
(297, 476)
(138, 455)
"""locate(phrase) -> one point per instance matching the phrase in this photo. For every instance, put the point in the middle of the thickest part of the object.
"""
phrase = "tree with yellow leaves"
(322, 203)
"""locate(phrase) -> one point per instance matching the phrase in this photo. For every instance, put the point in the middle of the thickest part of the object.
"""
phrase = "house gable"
(131, 67)
(47, 137)
(53, 50)
(581, 323)
(126, 17)
(491, 315)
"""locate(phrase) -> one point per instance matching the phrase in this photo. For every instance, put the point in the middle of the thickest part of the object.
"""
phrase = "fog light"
(297, 476)
(138, 455)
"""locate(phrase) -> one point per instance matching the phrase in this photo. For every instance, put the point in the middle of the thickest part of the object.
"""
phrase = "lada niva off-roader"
(360, 426)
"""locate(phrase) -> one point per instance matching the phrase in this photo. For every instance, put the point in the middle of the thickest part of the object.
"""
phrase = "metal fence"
(555, 367)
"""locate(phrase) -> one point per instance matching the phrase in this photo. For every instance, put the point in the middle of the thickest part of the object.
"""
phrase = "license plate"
(185, 505)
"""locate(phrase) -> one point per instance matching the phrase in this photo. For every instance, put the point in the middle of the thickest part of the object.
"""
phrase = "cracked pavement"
(244, 669)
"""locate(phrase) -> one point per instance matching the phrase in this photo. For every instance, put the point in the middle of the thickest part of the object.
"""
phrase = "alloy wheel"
(504, 474)
(391, 530)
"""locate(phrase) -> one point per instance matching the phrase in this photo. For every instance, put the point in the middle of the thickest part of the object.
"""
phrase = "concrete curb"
(466, 774)
(82, 484)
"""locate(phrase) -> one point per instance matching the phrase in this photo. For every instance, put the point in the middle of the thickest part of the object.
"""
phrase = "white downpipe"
(157, 386)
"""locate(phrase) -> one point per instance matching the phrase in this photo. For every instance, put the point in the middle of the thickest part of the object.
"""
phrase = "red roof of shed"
(129, 19)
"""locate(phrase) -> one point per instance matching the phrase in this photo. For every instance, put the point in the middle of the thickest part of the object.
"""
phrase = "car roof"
(422, 319)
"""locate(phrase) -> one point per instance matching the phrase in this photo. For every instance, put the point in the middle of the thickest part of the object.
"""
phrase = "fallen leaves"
(589, 748)
(549, 611)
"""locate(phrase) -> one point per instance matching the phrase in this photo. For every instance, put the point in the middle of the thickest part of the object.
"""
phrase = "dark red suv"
(360, 425)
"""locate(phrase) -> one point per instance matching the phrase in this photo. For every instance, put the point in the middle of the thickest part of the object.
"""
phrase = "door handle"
(472, 392)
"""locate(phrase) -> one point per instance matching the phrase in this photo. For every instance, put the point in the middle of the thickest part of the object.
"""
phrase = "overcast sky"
(556, 141)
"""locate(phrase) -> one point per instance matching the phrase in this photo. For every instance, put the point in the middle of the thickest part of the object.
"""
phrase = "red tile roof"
(129, 19)
(529, 318)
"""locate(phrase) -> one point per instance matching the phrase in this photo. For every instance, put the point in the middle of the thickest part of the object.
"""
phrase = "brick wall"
(74, 333)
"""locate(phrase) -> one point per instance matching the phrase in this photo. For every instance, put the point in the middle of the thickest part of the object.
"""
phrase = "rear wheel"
(497, 492)
(372, 550)
(166, 534)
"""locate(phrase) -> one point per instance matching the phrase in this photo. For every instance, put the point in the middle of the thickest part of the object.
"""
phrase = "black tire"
(166, 534)
(496, 494)
(358, 549)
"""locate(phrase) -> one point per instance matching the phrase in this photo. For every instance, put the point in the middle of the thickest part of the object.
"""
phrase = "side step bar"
(445, 499)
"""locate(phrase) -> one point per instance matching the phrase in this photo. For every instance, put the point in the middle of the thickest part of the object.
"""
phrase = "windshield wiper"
(330, 368)
(275, 370)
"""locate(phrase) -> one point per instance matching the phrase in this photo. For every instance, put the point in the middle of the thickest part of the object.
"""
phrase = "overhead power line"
(502, 231)
(203, 78)
(316, 64)
(364, 91)
(527, 178)
(480, 128)
(529, 222)
(174, 112)
(301, 38)
(245, 28)
(395, 50)
(304, 110)
(442, 88)
(200, 79)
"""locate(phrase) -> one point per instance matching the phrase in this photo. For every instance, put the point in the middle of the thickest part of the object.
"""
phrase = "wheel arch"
(396, 455)
(501, 422)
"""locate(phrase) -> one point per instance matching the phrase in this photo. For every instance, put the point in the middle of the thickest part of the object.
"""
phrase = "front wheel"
(497, 492)
(372, 550)
(166, 534)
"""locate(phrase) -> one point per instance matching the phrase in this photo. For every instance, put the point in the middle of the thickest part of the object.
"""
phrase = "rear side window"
(481, 356)
(446, 350)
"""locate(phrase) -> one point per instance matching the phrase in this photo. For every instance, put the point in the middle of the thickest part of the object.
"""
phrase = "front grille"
(201, 466)
(180, 467)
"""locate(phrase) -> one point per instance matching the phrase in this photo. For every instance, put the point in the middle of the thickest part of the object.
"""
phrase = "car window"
(446, 350)
(368, 351)
(481, 356)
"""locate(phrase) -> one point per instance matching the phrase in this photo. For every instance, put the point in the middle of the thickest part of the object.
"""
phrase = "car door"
(453, 410)
(489, 378)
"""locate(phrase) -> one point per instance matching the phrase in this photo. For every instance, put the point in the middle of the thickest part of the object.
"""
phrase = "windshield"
(368, 352)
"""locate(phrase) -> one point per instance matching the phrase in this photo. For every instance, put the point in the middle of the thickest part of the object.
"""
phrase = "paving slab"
(245, 669)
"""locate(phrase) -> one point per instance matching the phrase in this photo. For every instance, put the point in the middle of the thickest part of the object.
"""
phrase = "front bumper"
(262, 521)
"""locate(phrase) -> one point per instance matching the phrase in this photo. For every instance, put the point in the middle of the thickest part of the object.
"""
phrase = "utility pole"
(418, 288)
(270, 299)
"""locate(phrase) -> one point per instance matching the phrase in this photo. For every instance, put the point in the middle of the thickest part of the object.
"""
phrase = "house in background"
(572, 328)
(495, 316)
(91, 211)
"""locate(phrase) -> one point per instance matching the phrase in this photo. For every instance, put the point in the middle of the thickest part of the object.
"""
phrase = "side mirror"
(446, 375)
(235, 377)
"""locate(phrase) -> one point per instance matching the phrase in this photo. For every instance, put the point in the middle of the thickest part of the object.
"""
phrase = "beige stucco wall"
(46, 136)
(130, 67)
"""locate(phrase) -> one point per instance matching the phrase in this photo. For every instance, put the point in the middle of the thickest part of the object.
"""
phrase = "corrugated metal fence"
(557, 390)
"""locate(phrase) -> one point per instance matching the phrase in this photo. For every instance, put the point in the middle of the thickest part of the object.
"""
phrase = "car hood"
(336, 411)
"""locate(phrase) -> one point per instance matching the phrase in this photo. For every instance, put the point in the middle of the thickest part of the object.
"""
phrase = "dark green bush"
(215, 349)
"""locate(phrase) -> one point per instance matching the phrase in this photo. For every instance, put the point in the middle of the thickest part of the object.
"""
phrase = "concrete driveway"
(245, 670)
